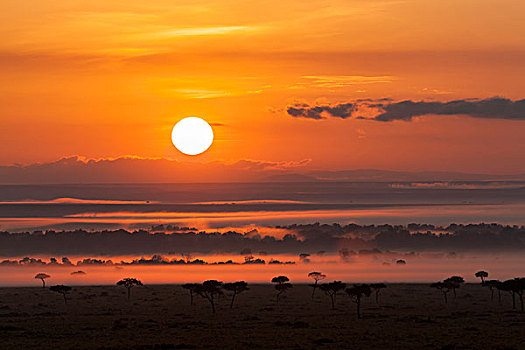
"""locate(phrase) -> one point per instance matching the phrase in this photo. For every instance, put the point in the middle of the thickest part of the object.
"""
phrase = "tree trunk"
(491, 294)
(445, 296)
(314, 287)
(65, 299)
(233, 299)
(43, 283)
(332, 299)
(191, 297)
(212, 305)
(454, 290)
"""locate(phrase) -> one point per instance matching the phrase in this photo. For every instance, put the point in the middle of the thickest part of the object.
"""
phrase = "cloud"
(342, 111)
(133, 169)
(338, 81)
(387, 111)
(249, 164)
(458, 185)
(201, 94)
(492, 108)
(205, 31)
(207, 94)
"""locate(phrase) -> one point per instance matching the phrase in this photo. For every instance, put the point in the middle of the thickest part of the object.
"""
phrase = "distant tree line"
(296, 240)
(154, 260)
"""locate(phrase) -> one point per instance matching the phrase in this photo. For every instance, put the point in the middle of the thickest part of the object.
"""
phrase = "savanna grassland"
(408, 316)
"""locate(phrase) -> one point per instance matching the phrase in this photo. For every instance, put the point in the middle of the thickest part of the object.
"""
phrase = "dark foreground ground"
(409, 316)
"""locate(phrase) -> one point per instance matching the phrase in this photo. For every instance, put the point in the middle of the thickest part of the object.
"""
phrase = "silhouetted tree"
(210, 290)
(191, 287)
(42, 277)
(508, 286)
(515, 286)
(281, 285)
(377, 289)
(304, 257)
(519, 286)
(357, 292)
(129, 283)
(317, 276)
(235, 288)
(482, 275)
(493, 284)
(454, 283)
(444, 287)
(331, 289)
(62, 290)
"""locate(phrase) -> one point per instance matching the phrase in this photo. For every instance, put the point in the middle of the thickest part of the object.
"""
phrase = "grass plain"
(408, 316)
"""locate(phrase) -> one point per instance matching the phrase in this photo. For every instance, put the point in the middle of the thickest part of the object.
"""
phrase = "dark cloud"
(385, 111)
(492, 108)
(342, 111)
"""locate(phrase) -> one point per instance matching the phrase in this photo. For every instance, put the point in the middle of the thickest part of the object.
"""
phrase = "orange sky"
(111, 78)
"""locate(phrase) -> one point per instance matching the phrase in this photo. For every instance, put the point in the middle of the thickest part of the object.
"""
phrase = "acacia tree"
(209, 290)
(515, 286)
(129, 283)
(377, 289)
(482, 275)
(357, 292)
(191, 287)
(281, 285)
(454, 283)
(317, 276)
(331, 289)
(445, 287)
(508, 286)
(42, 276)
(493, 284)
(62, 290)
(519, 288)
(235, 288)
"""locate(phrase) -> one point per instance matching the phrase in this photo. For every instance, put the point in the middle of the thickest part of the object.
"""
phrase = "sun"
(192, 136)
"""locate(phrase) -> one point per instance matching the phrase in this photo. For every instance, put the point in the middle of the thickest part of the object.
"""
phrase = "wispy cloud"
(200, 94)
(172, 33)
(204, 94)
(197, 31)
(338, 81)
(268, 165)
